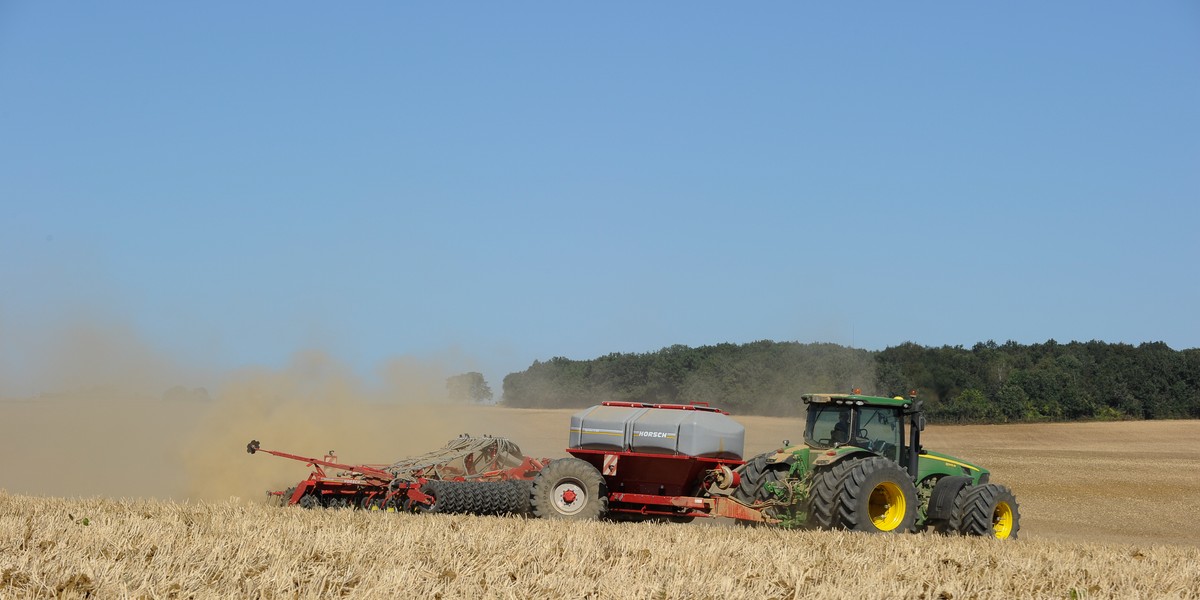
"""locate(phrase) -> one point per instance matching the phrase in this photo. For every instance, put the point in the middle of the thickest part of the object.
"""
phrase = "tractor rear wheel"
(877, 496)
(755, 475)
(988, 509)
(571, 489)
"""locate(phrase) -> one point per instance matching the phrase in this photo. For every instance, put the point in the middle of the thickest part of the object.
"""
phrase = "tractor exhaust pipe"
(916, 424)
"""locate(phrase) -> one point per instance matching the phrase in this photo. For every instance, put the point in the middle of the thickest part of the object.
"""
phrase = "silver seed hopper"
(689, 429)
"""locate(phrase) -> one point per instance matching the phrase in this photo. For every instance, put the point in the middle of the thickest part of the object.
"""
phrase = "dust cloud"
(310, 407)
(115, 417)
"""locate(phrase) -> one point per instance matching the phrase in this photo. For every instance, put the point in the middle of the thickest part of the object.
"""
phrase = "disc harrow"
(472, 475)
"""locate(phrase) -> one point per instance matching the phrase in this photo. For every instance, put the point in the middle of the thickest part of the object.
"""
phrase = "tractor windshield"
(879, 431)
(828, 425)
(870, 427)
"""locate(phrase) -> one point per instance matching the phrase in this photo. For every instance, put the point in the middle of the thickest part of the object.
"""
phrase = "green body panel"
(802, 459)
(932, 464)
(872, 400)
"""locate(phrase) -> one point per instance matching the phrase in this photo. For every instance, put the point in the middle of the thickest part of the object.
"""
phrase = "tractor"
(858, 470)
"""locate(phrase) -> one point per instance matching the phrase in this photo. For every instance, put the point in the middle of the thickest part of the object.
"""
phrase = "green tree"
(468, 387)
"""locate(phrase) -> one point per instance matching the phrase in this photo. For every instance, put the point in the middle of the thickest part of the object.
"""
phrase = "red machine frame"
(374, 488)
(639, 484)
(669, 485)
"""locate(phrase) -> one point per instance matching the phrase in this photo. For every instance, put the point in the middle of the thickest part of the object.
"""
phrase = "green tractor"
(857, 470)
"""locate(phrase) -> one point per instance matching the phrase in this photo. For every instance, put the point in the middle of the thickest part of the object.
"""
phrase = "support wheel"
(988, 509)
(876, 496)
(286, 496)
(570, 489)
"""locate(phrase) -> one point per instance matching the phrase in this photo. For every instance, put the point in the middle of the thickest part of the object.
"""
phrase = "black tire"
(452, 497)
(876, 496)
(518, 496)
(286, 496)
(570, 489)
(371, 503)
(942, 499)
(825, 494)
(309, 501)
(430, 488)
(479, 497)
(986, 510)
(755, 475)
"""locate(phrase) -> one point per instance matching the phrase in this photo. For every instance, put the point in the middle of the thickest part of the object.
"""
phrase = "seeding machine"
(861, 467)
(482, 475)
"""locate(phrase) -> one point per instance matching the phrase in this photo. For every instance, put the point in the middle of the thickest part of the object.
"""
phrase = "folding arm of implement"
(317, 463)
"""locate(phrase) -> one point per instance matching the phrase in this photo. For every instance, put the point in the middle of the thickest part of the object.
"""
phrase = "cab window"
(828, 425)
(879, 431)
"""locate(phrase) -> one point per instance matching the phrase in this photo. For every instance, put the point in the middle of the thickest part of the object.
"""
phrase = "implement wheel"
(984, 510)
(286, 496)
(876, 496)
(570, 489)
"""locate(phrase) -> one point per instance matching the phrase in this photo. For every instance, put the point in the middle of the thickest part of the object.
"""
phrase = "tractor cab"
(866, 422)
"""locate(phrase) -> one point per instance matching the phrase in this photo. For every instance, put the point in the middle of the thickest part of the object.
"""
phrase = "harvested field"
(165, 549)
(1103, 515)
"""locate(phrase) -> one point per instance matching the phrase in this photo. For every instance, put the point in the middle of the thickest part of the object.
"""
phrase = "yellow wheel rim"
(887, 506)
(1002, 520)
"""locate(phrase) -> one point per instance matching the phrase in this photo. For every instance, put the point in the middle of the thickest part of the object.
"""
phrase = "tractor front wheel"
(877, 496)
(987, 509)
(824, 494)
(570, 489)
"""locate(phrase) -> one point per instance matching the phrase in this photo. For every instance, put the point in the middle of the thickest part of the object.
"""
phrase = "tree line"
(987, 383)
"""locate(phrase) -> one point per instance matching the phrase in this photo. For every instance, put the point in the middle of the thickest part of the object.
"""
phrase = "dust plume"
(111, 415)
(82, 410)
(309, 407)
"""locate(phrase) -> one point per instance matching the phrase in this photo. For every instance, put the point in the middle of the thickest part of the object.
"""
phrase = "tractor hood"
(936, 461)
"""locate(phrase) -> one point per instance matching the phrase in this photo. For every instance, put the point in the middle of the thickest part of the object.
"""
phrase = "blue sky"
(488, 184)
